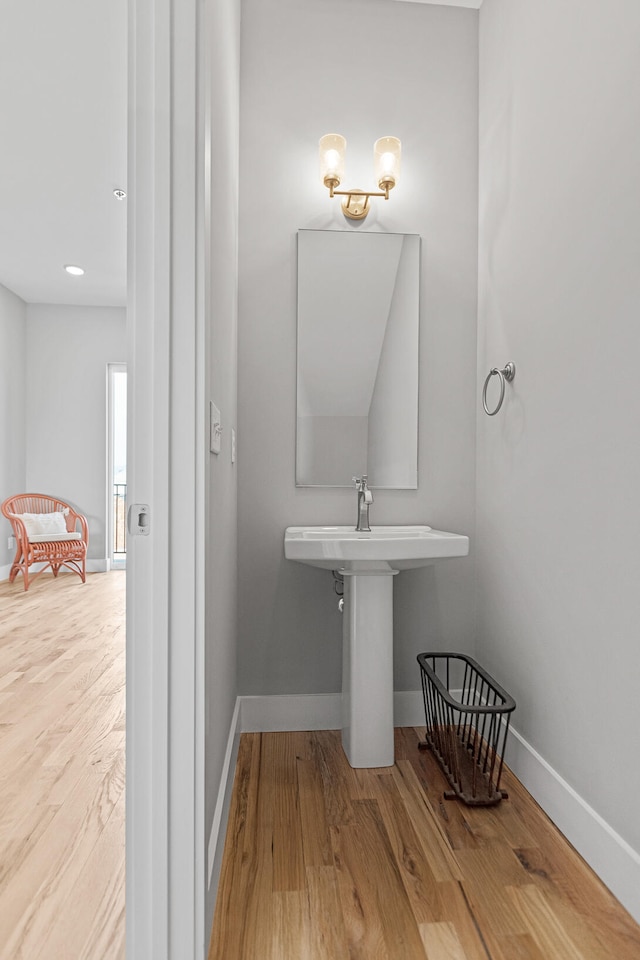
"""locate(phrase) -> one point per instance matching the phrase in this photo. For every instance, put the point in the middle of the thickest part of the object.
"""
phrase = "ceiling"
(63, 117)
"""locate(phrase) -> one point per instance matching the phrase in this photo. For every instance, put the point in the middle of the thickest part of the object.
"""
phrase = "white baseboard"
(607, 853)
(318, 711)
(218, 830)
(612, 858)
(408, 708)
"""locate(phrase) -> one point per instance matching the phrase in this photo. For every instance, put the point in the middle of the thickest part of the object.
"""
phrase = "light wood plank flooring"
(323, 862)
(62, 728)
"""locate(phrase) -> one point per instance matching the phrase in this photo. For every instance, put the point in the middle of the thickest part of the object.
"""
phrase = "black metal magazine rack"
(467, 715)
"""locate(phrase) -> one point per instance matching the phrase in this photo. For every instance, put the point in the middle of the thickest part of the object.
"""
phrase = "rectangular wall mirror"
(358, 329)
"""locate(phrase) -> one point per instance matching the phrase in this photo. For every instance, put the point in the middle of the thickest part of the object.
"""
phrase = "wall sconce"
(386, 164)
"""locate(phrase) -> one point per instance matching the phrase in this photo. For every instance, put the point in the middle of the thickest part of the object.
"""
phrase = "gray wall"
(559, 467)
(222, 36)
(68, 349)
(365, 69)
(13, 363)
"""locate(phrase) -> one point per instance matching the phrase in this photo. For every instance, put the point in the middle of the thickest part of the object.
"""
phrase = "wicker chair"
(59, 544)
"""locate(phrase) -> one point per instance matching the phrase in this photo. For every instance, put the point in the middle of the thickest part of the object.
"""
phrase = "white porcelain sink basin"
(368, 562)
(384, 549)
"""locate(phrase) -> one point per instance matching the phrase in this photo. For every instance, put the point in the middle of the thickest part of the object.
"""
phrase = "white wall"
(365, 69)
(222, 35)
(68, 348)
(559, 467)
(13, 390)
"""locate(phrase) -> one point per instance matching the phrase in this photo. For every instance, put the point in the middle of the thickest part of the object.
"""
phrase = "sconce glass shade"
(332, 151)
(386, 161)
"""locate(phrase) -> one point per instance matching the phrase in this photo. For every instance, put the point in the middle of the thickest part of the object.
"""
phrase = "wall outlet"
(11, 543)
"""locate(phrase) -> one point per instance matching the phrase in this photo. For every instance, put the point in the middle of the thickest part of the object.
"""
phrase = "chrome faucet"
(365, 499)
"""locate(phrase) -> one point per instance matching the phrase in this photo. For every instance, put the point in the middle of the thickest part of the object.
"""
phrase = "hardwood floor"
(62, 729)
(323, 862)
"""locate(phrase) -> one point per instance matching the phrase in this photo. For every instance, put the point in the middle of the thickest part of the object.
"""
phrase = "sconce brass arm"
(360, 193)
(356, 207)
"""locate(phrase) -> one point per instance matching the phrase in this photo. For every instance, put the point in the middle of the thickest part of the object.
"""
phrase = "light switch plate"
(215, 428)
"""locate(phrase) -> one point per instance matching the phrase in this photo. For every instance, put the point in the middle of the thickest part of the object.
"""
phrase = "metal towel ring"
(507, 373)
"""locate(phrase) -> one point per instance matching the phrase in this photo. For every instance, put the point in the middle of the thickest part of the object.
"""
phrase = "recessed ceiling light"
(73, 270)
(119, 194)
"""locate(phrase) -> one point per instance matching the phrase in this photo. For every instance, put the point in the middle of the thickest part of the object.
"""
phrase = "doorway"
(117, 465)
(159, 177)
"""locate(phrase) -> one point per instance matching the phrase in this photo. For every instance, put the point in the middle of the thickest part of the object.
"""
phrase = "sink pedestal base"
(367, 669)
(368, 560)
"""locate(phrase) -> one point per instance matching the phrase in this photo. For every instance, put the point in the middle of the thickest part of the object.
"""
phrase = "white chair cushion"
(38, 524)
(53, 537)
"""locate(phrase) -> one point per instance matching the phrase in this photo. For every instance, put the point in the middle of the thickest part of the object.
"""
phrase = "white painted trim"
(200, 42)
(5, 571)
(613, 859)
(166, 843)
(408, 708)
(218, 830)
(187, 839)
(148, 463)
(318, 711)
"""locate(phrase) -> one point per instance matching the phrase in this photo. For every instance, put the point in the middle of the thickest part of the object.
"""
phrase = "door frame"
(165, 569)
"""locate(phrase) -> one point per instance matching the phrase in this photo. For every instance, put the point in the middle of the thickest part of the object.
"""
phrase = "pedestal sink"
(368, 562)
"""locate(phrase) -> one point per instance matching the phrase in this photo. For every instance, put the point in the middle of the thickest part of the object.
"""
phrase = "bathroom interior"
(519, 179)
(520, 158)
